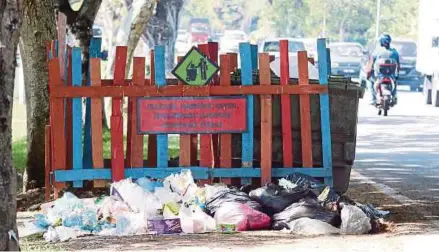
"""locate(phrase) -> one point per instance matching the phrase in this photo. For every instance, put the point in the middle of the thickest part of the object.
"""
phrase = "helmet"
(385, 40)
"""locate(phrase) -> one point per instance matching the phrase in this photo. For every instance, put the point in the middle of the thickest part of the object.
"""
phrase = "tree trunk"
(130, 31)
(10, 21)
(138, 27)
(163, 26)
(39, 26)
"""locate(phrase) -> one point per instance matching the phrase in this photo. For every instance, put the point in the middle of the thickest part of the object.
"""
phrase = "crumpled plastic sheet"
(354, 221)
(308, 227)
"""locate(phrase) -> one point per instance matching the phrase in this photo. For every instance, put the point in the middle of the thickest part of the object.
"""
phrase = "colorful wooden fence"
(74, 150)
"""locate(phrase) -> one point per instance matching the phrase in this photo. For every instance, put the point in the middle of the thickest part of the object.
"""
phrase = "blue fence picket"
(160, 80)
(77, 114)
(245, 52)
(95, 52)
(325, 109)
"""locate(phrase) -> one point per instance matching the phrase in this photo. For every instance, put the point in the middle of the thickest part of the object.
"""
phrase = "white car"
(182, 44)
(272, 46)
(310, 46)
(230, 40)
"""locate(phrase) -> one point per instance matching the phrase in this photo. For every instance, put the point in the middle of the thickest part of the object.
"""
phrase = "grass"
(19, 149)
(19, 155)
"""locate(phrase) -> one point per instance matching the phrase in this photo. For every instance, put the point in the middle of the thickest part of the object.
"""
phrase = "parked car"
(199, 34)
(310, 46)
(272, 46)
(230, 40)
(182, 45)
(346, 59)
(408, 75)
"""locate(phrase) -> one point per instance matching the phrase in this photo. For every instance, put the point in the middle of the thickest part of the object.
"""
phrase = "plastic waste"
(149, 185)
(308, 208)
(275, 199)
(307, 226)
(65, 233)
(170, 211)
(41, 221)
(242, 216)
(51, 235)
(111, 207)
(108, 232)
(354, 221)
(300, 180)
(211, 190)
(194, 220)
(130, 224)
(165, 196)
(329, 199)
(372, 212)
(29, 228)
(136, 198)
(231, 195)
(63, 207)
(162, 226)
(180, 182)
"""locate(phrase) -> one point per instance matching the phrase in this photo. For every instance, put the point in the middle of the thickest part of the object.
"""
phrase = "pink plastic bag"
(242, 216)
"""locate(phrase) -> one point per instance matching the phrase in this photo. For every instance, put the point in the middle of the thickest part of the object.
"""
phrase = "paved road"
(401, 150)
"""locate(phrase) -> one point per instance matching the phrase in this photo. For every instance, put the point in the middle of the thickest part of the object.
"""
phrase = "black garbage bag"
(306, 182)
(275, 199)
(232, 195)
(309, 208)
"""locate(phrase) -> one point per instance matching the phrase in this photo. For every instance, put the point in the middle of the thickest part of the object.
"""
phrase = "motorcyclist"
(385, 51)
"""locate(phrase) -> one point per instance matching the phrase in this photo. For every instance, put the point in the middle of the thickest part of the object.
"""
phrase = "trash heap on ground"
(298, 204)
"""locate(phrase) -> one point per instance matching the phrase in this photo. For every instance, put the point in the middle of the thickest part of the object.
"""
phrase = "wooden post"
(206, 148)
(305, 111)
(287, 139)
(160, 81)
(117, 154)
(226, 139)
(185, 140)
(77, 115)
(134, 140)
(324, 71)
(152, 139)
(245, 52)
(96, 121)
(266, 119)
(48, 164)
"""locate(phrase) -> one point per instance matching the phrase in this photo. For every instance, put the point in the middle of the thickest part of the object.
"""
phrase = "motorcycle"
(385, 85)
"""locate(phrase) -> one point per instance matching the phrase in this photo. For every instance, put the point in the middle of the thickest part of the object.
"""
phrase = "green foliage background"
(346, 20)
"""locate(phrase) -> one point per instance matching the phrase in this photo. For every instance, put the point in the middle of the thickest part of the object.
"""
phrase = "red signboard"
(178, 115)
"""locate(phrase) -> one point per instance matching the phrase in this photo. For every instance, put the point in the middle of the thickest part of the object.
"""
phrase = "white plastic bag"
(194, 220)
(165, 196)
(354, 221)
(180, 182)
(130, 224)
(307, 226)
(136, 198)
(63, 207)
(110, 207)
(65, 233)
(212, 190)
(51, 235)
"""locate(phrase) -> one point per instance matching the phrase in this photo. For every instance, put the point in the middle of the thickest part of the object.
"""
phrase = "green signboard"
(195, 69)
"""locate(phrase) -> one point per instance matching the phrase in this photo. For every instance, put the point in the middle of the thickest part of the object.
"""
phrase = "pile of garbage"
(298, 204)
